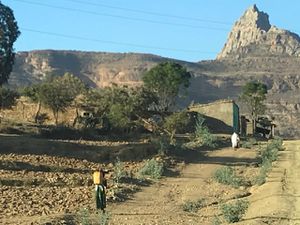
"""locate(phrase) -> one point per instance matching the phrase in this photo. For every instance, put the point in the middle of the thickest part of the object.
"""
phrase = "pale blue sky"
(190, 30)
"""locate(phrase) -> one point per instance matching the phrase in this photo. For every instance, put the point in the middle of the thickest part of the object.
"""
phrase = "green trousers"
(100, 197)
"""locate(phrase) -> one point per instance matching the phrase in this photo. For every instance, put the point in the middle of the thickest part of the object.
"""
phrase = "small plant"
(261, 178)
(84, 216)
(119, 171)
(216, 221)
(226, 175)
(234, 212)
(268, 155)
(203, 135)
(104, 218)
(153, 169)
(248, 143)
(192, 206)
(162, 144)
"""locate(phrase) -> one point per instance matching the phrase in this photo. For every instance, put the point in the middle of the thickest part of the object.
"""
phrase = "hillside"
(255, 50)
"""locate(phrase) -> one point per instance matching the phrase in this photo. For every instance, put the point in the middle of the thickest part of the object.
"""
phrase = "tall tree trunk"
(76, 118)
(37, 113)
(55, 114)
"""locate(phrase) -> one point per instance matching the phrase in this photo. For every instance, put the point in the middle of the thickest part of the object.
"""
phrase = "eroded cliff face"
(255, 50)
(98, 69)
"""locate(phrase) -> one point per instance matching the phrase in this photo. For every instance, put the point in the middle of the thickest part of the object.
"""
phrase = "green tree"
(8, 98)
(9, 33)
(176, 121)
(167, 80)
(253, 95)
(33, 93)
(122, 106)
(59, 93)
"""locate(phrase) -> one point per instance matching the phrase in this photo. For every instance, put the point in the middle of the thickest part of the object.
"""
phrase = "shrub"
(84, 216)
(162, 144)
(216, 221)
(119, 171)
(192, 206)
(261, 178)
(203, 135)
(104, 218)
(235, 211)
(248, 143)
(153, 169)
(226, 175)
(277, 143)
(268, 155)
(177, 122)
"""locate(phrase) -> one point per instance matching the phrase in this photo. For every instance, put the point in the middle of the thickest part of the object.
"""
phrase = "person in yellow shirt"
(100, 187)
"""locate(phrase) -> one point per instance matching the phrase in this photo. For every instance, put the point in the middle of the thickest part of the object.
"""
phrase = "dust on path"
(277, 202)
(161, 203)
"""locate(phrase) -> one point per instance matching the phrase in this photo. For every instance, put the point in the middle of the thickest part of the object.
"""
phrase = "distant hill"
(255, 50)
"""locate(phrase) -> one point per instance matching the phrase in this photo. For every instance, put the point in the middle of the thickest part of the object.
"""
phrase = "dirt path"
(278, 201)
(161, 203)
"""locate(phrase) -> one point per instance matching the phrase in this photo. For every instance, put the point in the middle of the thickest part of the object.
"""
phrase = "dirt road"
(162, 202)
(278, 201)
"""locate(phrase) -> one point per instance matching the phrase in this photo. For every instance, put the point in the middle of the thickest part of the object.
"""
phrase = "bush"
(192, 206)
(248, 143)
(216, 221)
(119, 171)
(202, 134)
(269, 154)
(84, 216)
(276, 143)
(235, 211)
(153, 169)
(177, 122)
(162, 144)
(104, 218)
(226, 175)
(261, 178)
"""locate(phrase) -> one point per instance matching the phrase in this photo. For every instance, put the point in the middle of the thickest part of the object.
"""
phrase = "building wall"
(225, 111)
(219, 110)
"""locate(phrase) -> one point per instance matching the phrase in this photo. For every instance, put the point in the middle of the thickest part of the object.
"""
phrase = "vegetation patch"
(268, 155)
(152, 169)
(119, 171)
(248, 143)
(193, 206)
(233, 212)
(226, 175)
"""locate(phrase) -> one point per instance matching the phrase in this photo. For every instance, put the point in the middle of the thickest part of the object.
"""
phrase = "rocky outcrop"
(253, 35)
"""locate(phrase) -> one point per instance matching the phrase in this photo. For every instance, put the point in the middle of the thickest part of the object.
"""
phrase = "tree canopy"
(167, 80)
(122, 106)
(59, 93)
(9, 33)
(7, 98)
(254, 95)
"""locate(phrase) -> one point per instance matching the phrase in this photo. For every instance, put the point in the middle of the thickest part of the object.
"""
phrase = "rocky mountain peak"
(255, 19)
(253, 35)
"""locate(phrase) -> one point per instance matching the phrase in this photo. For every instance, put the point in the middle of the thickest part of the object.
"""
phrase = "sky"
(189, 30)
